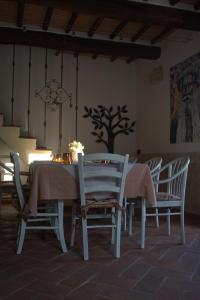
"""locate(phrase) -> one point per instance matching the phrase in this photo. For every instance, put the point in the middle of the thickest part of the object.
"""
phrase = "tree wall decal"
(106, 120)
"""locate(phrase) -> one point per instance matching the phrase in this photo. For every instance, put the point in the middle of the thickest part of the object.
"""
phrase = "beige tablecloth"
(51, 181)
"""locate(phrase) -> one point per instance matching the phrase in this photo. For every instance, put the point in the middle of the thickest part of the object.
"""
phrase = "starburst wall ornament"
(53, 94)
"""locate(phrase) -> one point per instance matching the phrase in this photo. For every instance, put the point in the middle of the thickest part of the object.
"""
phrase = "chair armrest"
(169, 178)
(156, 169)
(158, 172)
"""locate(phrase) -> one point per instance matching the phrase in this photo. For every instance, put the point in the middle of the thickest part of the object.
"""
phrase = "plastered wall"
(100, 82)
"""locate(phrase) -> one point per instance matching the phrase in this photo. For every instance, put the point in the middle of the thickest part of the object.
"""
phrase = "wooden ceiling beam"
(173, 2)
(197, 5)
(71, 22)
(140, 32)
(162, 35)
(94, 56)
(118, 29)
(128, 10)
(76, 54)
(130, 59)
(76, 44)
(113, 58)
(94, 26)
(20, 13)
(47, 18)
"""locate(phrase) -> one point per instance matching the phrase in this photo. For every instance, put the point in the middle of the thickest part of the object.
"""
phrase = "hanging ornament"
(53, 94)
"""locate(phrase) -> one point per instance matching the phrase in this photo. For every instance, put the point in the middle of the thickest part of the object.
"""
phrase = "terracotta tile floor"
(164, 270)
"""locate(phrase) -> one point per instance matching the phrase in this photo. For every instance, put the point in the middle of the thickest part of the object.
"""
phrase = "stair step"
(27, 137)
(11, 139)
(9, 132)
(43, 149)
(11, 126)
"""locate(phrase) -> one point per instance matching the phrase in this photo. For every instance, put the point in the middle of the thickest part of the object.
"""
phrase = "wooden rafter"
(128, 10)
(197, 5)
(71, 22)
(47, 18)
(94, 26)
(118, 29)
(140, 32)
(130, 59)
(77, 44)
(94, 56)
(163, 34)
(20, 13)
(76, 54)
(173, 2)
(113, 58)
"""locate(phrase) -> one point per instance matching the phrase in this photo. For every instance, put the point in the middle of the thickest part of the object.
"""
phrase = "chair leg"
(143, 220)
(118, 232)
(182, 229)
(157, 218)
(73, 225)
(61, 226)
(0, 201)
(85, 239)
(113, 223)
(54, 221)
(131, 215)
(125, 214)
(168, 222)
(18, 231)
(21, 236)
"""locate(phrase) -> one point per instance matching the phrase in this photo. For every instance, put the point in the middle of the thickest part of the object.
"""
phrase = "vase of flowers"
(75, 147)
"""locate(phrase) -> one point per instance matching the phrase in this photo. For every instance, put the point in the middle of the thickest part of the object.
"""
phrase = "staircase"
(10, 140)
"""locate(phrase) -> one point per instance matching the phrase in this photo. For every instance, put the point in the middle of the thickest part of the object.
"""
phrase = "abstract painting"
(185, 101)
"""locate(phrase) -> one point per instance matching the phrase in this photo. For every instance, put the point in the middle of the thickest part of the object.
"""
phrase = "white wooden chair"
(50, 211)
(172, 199)
(101, 186)
(154, 166)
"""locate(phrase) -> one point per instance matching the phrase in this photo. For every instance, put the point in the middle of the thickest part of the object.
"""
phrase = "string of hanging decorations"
(54, 96)
(77, 88)
(13, 85)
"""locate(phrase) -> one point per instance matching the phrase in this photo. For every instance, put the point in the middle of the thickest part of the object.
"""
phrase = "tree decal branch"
(109, 123)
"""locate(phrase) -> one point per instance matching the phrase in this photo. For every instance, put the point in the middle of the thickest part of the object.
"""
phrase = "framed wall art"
(185, 101)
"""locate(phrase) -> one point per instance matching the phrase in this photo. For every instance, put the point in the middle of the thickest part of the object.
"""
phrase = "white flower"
(75, 148)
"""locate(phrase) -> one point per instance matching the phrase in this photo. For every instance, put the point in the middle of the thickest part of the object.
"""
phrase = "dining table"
(59, 181)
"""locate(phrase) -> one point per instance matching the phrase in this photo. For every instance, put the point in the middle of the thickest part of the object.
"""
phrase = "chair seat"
(167, 200)
(105, 203)
(93, 203)
(166, 196)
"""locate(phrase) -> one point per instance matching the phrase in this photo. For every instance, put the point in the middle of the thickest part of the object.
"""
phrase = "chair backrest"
(154, 166)
(178, 169)
(14, 157)
(176, 176)
(99, 178)
(133, 159)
